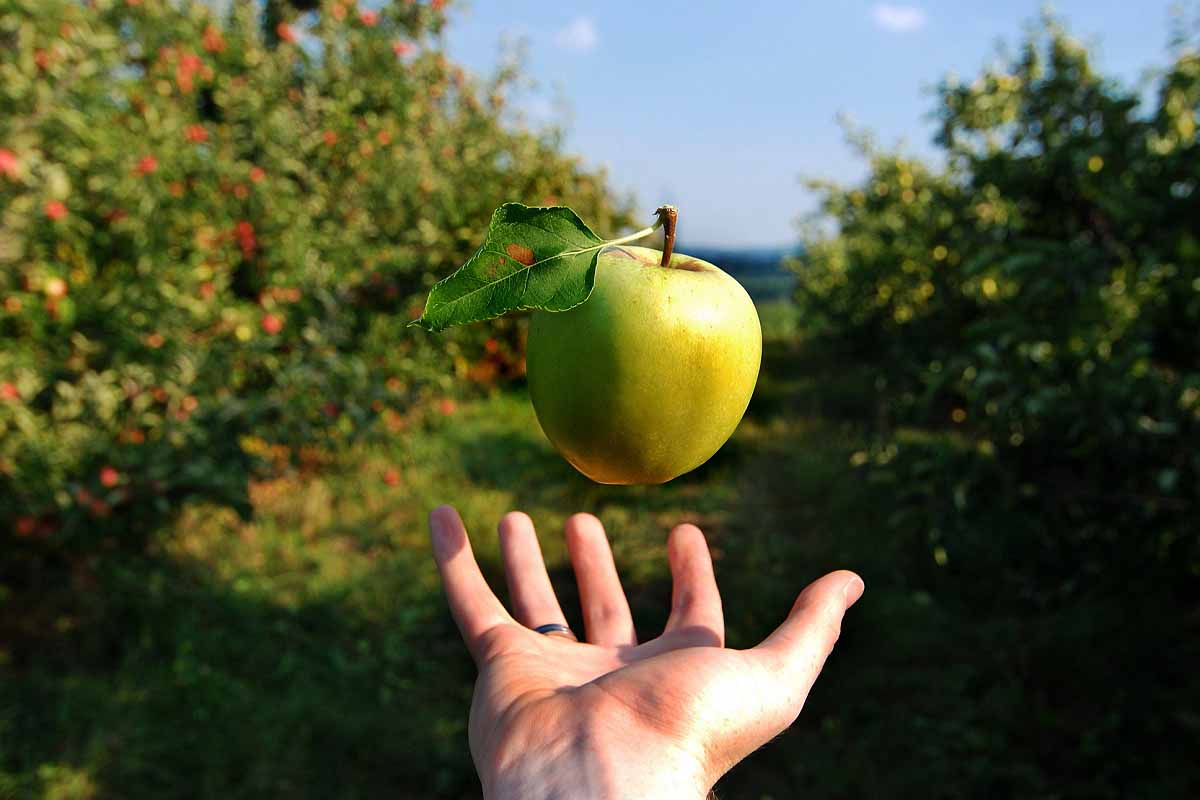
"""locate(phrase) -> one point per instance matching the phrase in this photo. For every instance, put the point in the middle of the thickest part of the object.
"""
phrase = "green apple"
(650, 376)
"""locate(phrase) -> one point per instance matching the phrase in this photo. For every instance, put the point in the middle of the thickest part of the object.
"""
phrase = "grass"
(308, 654)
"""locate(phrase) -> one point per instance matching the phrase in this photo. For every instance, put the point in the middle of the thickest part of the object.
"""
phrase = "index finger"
(473, 604)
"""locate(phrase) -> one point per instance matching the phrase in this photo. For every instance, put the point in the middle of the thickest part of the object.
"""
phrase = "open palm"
(610, 717)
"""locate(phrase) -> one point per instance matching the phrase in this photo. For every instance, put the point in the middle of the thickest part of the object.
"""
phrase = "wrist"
(599, 760)
(582, 777)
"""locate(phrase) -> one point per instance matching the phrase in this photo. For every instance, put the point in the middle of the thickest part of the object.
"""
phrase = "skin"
(648, 378)
(609, 718)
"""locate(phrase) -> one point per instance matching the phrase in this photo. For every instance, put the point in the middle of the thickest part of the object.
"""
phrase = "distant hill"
(759, 269)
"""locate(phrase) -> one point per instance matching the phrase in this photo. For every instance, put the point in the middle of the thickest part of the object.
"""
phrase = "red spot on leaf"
(492, 269)
(521, 253)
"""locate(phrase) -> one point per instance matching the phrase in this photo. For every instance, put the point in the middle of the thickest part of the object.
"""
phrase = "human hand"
(553, 717)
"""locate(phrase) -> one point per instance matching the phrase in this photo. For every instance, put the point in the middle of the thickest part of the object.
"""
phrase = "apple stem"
(668, 215)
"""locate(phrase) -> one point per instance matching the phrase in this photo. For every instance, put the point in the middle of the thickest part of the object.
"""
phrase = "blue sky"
(720, 107)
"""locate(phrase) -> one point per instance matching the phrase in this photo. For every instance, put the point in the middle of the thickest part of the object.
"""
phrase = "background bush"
(1038, 299)
(214, 231)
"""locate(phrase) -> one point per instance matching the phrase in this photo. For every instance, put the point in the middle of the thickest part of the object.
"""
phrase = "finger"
(695, 600)
(795, 652)
(605, 610)
(472, 603)
(533, 600)
(763, 695)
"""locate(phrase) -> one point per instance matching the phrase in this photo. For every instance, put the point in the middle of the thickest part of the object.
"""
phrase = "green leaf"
(533, 257)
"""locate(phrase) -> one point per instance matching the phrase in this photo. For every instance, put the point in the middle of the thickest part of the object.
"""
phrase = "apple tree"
(1036, 300)
(213, 230)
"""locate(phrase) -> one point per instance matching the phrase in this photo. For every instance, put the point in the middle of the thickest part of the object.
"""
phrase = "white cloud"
(578, 35)
(899, 19)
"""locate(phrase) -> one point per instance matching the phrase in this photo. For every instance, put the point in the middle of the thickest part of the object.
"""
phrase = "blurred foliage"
(1038, 298)
(213, 230)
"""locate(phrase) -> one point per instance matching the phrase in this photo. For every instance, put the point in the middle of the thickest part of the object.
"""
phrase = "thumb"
(795, 653)
(777, 675)
(735, 701)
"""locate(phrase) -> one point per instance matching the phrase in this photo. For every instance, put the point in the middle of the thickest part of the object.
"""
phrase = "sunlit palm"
(682, 695)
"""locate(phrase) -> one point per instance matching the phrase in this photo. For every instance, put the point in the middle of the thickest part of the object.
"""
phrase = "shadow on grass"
(799, 381)
(166, 683)
(526, 466)
(939, 688)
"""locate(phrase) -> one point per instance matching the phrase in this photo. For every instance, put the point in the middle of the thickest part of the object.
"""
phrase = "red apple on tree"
(271, 324)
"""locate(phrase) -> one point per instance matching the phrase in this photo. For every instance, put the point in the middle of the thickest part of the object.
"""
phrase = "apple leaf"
(540, 257)
(533, 257)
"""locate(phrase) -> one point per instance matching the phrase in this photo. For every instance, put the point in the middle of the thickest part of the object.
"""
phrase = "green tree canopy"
(214, 228)
(1039, 297)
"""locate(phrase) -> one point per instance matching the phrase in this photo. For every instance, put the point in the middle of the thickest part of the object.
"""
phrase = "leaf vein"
(524, 269)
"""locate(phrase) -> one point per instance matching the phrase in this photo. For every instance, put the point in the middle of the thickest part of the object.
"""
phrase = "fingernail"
(853, 590)
(437, 530)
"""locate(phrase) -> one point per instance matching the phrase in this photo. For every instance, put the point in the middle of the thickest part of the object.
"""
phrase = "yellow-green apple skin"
(650, 376)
